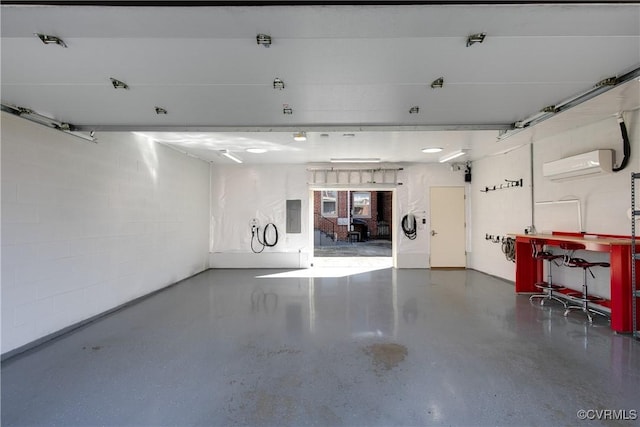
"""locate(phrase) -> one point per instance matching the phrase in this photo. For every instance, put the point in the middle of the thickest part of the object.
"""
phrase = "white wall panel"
(604, 199)
(87, 227)
(499, 212)
(241, 192)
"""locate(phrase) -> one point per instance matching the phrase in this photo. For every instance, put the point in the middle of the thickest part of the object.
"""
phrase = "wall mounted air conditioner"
(582, 165)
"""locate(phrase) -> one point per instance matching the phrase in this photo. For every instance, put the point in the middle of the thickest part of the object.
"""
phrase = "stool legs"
(584, 302)
(547, 289)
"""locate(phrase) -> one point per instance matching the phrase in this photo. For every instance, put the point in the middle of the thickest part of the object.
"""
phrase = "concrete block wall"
(87, 227)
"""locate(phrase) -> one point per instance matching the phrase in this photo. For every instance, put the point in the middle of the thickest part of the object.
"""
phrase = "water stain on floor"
(386, 356)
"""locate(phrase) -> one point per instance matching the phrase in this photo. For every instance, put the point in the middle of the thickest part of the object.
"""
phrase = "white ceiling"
(347, 70)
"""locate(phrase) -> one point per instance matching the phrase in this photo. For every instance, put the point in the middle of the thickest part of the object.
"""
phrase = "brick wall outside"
(343, 230)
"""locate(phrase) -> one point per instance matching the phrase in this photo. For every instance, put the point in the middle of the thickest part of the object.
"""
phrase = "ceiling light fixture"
(29, 114)
(437, 83)
(300, 136)
(278, 84)
(414, 110)
(431, 150)
(118, 84)
(475, 38)
(256, 150)
(356, 160)
(452, 155)
(228, 155)
(160, 110)
(264, 40)
(47, 39)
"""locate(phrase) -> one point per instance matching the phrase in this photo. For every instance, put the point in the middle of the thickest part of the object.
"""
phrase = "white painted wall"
(87, 227)
(604, 199)
(499, 212)
(413, 197)
(242, 192)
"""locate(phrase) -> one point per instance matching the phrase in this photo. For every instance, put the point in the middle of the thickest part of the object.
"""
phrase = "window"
(362, 205)
(329, 203)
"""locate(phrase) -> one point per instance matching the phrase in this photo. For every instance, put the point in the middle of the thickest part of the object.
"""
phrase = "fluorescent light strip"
(356, 160)
(452, 155)
(228, 155)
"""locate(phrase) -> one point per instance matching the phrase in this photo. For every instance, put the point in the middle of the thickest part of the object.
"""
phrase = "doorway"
(448, 224)
(352, 227)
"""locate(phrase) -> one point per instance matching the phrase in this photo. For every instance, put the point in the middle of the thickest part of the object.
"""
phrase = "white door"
(447, 227)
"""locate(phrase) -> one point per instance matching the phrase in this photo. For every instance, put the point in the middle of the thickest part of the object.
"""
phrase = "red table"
(529, 270)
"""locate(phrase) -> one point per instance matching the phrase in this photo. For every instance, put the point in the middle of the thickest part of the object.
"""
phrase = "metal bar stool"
(547, 288)
(584, 299)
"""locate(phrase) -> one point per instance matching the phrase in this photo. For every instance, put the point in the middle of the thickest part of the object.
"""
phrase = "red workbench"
(529, 270)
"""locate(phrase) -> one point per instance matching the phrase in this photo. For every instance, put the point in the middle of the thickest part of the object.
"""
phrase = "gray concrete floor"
(382, 348)
(369, 248)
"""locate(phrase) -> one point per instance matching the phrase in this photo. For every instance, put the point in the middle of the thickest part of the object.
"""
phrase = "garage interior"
(159, 165)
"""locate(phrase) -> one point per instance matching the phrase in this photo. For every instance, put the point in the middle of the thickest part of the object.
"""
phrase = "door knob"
(433, 232)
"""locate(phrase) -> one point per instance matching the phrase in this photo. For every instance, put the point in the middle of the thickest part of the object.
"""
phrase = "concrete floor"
(381, 348)
(369, 248)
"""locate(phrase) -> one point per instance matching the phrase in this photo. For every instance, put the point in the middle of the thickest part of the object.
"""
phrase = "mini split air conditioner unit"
(582, 165)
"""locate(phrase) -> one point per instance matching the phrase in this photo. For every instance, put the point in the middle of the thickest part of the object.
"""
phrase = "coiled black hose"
(409, 226)
(255, 233)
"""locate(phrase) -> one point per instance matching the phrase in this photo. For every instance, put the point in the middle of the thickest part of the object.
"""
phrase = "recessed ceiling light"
(300, 136)
(348, 135)
(256, 150)
(431, 150)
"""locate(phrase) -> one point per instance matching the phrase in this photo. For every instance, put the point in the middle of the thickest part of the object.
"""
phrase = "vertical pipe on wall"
(210, 213)
(533, 204)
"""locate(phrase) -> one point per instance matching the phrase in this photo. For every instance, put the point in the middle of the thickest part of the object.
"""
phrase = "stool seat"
(582, 263)
(548, 256)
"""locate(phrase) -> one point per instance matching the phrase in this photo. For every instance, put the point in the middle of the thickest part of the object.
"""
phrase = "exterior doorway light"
(300, 136)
